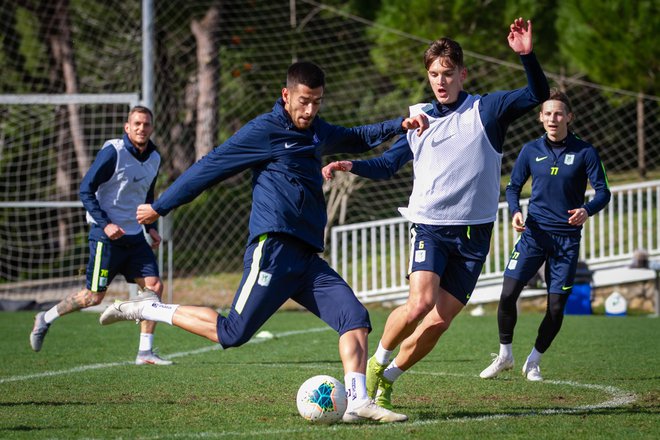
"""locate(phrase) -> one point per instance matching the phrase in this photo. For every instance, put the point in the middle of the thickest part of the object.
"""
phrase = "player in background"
(454, 200)
(559, 164)
(283, 150)
(122, 177)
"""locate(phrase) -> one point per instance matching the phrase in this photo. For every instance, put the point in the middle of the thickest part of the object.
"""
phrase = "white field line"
(170, 356)
(618, 397)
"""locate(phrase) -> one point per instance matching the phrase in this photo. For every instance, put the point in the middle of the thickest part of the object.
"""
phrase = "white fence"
(373, 256)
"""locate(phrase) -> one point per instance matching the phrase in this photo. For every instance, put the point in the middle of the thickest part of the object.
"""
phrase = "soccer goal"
(47, 143)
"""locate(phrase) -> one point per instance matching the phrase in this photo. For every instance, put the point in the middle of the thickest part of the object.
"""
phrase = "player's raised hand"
(520, 36)
(146, 214)
(339, 165)
(419, 122)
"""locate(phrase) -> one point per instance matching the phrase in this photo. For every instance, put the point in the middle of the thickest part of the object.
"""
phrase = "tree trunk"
(205, 32)
(59, 38)
(56, 30)
(641, 148)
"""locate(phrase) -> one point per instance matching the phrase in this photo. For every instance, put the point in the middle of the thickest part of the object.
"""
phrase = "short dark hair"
(141, 109)
(305, 73)
(558, 95)
(444, 48)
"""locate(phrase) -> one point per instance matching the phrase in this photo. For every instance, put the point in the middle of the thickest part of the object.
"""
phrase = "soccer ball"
(322, 399)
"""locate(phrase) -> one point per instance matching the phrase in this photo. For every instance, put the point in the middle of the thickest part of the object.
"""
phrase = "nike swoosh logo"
(566, 287)
(135, 179)
(436, 142)
(539, 159)
(289, 145)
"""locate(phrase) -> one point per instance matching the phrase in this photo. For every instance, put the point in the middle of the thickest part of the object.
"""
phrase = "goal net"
(47, 143)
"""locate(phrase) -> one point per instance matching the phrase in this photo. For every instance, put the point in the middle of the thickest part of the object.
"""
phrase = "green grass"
(602, 381)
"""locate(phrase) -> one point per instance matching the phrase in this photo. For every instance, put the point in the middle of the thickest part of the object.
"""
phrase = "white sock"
(51, 315)
(382, 355)
(392, 372)
(535, 356)
(146, 341)
(506, 351)
(159, 312)
(356, 390)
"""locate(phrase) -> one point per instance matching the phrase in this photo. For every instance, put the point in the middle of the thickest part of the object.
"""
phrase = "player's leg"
(428, 259)
(526, 258)
(249, 310)
(329, 297)
(99, 274)
(420, 343)
(507, 316)
(146, 355)
(147, 306)
(468, 247)
(423, 295)
(140, 266)
(428, 332)
(560, 275)
(198, 320)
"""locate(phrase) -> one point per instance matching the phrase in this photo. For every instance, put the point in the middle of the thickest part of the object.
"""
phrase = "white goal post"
(47, 142)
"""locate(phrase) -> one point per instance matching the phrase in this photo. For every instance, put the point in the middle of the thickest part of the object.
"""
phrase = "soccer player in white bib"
(453, 205)
(122, 177)
(559, 164)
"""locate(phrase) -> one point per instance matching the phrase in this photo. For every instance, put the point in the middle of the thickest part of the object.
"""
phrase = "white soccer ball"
(322, 399)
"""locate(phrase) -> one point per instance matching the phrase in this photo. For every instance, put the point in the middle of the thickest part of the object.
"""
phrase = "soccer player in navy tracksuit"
(454, 200)
(559, 164)
(122, 177)
(283, 149)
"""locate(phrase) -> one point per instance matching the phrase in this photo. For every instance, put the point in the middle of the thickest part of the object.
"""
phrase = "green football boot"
(384, 394)
(374, 376)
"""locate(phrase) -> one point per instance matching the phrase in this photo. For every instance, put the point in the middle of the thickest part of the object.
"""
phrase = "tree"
(479, 26)
(627, 56)
(56, 32)
(205, 32)
(612, 41)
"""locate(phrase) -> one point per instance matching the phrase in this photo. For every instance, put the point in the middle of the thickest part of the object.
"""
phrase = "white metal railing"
(373, 256)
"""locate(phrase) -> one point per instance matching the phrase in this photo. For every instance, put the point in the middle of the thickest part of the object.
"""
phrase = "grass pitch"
(602, 381)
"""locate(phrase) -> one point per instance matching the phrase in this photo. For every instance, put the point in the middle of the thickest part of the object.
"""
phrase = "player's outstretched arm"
(338, 165)
(520, 36)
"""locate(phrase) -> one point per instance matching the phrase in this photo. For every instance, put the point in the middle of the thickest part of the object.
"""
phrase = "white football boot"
(532, 371)
(498, 365)
(371, 411)
(130, 310)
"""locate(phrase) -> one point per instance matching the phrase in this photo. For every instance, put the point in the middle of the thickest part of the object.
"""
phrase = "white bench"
(491, 293)
(603, 277)
(621, 275)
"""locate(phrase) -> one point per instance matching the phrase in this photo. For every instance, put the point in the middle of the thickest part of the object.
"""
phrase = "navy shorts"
(129, 255)
(456, 253)
(278, 267)
(559, 252)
